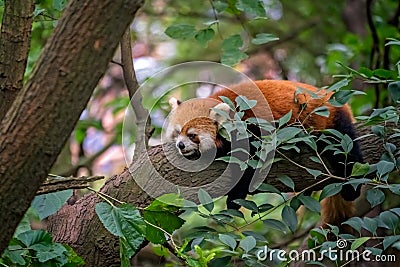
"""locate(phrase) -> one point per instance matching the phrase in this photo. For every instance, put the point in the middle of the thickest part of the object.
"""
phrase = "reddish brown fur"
(201, 124)
(281, 98)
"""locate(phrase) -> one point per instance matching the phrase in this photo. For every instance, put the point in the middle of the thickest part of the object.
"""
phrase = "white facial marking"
(191, 131)
(206, 142)
(172, 131)
(188, 148)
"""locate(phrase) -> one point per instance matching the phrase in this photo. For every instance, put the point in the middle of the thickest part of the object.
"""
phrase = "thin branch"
(144, 129)
(375, 56)
(55, 183)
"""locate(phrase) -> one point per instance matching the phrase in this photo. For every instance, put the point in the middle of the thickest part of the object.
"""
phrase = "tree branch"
(142, 115)
(37, 125)
(59, 183)
(90, 239)
(14, 48)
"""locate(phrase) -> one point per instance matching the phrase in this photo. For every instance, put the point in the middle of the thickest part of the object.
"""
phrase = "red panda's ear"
(174, 103)
(218, 117)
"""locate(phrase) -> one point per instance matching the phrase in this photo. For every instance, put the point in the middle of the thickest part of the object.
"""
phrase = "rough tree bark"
(46, 110)
(78, 225)
(14, 48)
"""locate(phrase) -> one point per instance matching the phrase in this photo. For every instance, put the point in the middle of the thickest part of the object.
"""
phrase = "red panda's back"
(281, 97)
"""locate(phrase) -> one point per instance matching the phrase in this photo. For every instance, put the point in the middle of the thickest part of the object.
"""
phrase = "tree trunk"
(46, 110)
(78, 225)
(14, 48)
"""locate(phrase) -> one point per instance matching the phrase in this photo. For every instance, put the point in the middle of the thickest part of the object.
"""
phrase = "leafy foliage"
(35, 248)
(232, 47)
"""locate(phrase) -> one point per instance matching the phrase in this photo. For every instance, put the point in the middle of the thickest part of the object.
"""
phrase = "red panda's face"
(197, 136)
(193, 125)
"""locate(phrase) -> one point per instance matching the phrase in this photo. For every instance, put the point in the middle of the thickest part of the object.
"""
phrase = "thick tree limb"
(79, 227)
(37, 125)
(14, 48)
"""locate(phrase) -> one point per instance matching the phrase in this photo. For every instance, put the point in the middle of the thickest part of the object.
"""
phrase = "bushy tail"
(335, 210)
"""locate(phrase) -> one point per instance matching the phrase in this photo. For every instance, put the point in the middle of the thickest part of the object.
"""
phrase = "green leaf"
(341, 97)
(318, 235)
(378, 130)
(355, 222)
(330, 190)
(366, 72)
(125, 251)
(310, 203)
(227, 240)
(50, 252)
(248, 204)
(265, 207)
(227, 101)
(204, 35)
(383, 167)
(285, 119)
(16, 255)
(375, 197)
(383, 73)
(255, 7)
(358, 242)
(50, 203)
(360, 169)
(338, 85)
(232, 57)
(275, 224)
(181, 31)
(124, 221)
(233, 42)
(390, 240)
(263, 38)
(346, 143)
(233, 213)
(314, 173)
(389, 219)
(244, 103)
(290, 218)
(59, 5)
(163, 219)
(321, 111)
(394, 91)
(287, 133)
(286, 180)
(268, 188)
(248, 243)
(370, 224)
(205, 199)
(231, 50)
(33, 237)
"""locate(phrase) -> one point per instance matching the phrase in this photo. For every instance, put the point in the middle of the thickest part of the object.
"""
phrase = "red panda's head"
(194, 125)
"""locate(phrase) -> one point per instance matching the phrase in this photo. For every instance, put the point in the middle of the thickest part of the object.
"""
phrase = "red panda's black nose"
(181, 145)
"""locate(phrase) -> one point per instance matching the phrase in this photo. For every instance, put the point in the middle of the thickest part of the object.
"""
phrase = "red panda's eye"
(192, 136)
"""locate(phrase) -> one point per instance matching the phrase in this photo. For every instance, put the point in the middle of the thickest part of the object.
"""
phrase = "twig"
(55, 183)
(216, 19)
(144, 130)
(375, 51)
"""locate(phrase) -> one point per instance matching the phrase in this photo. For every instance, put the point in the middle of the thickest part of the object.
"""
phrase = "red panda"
(194, 126)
